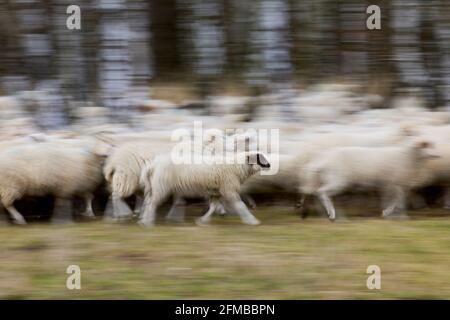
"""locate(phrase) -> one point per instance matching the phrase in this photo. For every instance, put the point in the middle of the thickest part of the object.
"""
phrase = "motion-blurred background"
(189, 50)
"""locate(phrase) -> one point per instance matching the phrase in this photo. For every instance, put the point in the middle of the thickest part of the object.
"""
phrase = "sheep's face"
(258, 160)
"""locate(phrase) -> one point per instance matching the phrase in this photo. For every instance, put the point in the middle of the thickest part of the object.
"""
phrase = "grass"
(284, 258)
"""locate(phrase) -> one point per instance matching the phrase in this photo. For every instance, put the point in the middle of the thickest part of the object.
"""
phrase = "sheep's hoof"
(201, 222)
(145, 224)
(252, 222)
(88, 215)
(20, 222)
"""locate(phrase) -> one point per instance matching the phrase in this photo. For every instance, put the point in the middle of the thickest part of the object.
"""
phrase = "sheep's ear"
(262, 160)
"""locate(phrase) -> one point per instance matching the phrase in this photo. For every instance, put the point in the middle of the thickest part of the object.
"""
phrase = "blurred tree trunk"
(270, 58)
(381, 67)
(353, 42)
(209, 41)
(410, 50)
(329, 38)
(165, 38)
(68, 44)
(438, 53)
(115, 70)
(11, 55)
(442, 34)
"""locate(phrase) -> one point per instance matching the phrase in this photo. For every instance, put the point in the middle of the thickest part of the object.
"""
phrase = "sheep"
(214, 141)
(63, 169)
(123, 169)
(210, 180)
(394, 169)
(122, 173)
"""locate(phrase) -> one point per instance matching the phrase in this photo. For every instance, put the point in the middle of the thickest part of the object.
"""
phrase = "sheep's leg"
(16, 216)
(220, 209)
(149, 214)
(328, 204)
(249, 200)
(62, 213)
(213, 206)
(120, 208)
(301, 205)
(238, 206)
(89, 212)
(333, 187)
(397, 201)
(138, 205)
(300, 201)
(177, 210)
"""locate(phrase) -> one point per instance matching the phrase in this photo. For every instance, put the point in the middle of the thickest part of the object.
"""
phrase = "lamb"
(210, 180)
(394, 169)
(60, 169)
(213, 141)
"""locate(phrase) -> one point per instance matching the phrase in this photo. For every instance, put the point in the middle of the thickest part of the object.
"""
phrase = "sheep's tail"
(124, 183)
(146, 175)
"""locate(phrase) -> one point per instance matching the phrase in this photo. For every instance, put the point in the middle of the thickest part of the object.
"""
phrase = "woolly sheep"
(394, 169)
(122, 172)
(209, 180)
(123, 168)
(50, 168)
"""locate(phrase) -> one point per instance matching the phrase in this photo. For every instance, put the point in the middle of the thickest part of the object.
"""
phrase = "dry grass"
(284, 258)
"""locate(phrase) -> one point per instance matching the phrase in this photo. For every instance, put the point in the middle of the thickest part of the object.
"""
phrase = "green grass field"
(284, 258)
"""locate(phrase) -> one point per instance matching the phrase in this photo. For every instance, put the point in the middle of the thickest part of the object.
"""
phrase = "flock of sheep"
(337, 143)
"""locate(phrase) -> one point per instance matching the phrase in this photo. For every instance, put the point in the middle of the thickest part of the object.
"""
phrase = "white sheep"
(63, 169)
(124, 167)
(122, 172)
(395, 169)
(210, 180)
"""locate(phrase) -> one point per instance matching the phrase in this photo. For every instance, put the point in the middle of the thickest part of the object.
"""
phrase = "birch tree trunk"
(270, 60)
(208, 35)
(115, 70)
